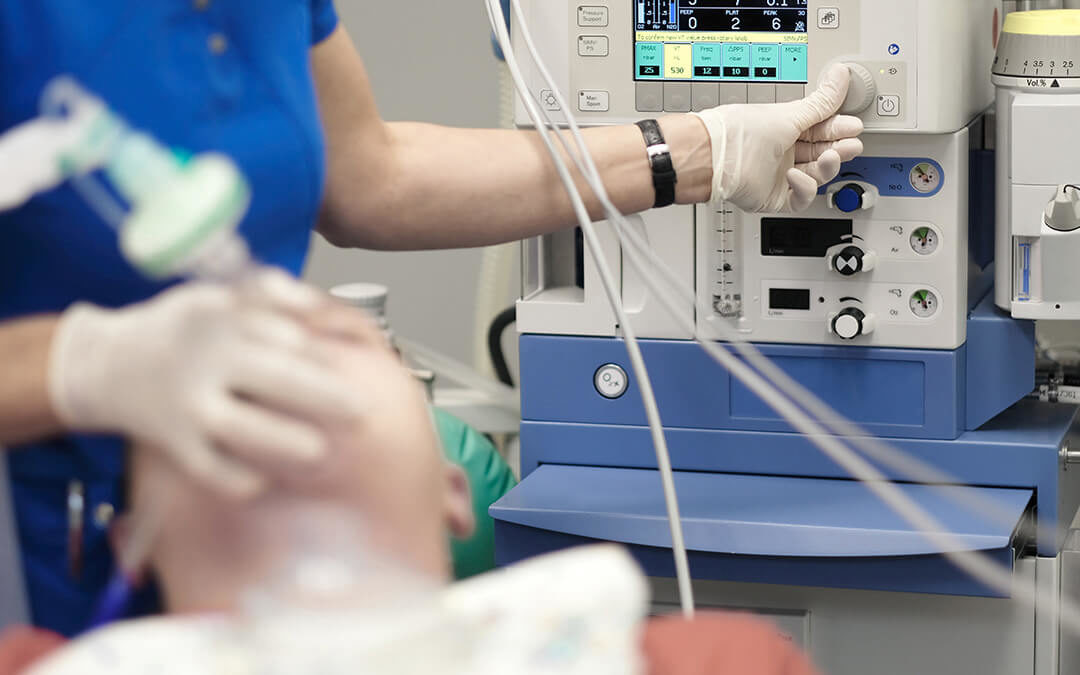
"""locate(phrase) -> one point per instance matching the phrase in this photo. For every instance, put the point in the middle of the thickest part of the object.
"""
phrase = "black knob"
(849, 261)
(848, 324)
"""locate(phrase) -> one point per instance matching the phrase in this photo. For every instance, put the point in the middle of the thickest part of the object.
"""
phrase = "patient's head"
(388, 468)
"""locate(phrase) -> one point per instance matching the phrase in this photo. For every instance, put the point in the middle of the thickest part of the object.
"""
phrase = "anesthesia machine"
(903, 298)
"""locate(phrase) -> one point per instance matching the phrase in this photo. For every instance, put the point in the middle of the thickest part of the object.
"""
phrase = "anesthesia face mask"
(176, 214)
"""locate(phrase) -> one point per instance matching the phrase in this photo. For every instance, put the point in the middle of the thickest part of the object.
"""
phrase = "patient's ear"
(459, 511)
(119, 535)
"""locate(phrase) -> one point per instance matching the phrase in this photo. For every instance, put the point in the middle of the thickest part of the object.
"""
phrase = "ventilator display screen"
(720, 40)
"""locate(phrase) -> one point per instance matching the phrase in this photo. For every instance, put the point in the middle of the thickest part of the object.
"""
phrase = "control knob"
(861, 93)
(851, 322)
(851, 196)
(849, 259)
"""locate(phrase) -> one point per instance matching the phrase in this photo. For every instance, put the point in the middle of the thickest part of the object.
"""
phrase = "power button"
(888, 105)
(610, 381)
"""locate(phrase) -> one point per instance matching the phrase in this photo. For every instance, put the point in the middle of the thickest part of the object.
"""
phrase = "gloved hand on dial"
(774, 157)
(223, 378)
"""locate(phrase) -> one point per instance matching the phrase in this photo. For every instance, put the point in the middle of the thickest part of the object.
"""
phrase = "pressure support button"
(592, 16)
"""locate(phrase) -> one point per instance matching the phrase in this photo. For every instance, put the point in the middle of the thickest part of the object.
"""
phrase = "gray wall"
(448, 76)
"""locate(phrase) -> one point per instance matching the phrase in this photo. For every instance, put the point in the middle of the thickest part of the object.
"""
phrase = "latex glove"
(774, 157)
(221, 378)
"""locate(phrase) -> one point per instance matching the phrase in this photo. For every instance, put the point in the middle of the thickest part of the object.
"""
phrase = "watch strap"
(663, 170)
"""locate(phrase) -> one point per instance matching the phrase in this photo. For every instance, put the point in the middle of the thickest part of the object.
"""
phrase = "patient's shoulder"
(165, 645)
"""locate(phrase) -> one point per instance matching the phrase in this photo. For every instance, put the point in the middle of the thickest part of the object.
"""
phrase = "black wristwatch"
(663, 171)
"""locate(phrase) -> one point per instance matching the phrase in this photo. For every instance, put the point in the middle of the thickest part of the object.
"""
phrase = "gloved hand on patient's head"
(220, 377)
(774, 157)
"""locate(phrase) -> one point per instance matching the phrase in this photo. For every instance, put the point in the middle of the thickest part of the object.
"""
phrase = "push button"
(888, 105)
(704, 95)
(548, 100)
(731, 92)
(592, 45)
(594, 100)
(786, 93)
(588, 16)
(649, 97)
(828, 18)
(676, 97)
(762, 93)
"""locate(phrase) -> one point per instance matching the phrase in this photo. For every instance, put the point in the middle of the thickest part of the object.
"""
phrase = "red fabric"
(721, 644)
(711, 644)
(21, 646)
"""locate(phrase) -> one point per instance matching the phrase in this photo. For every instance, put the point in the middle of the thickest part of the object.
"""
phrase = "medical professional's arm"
(406, 185)
(25, 410)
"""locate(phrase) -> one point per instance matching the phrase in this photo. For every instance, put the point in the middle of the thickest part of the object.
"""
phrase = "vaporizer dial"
(1039, 50)
(924, 241)
(924, 304)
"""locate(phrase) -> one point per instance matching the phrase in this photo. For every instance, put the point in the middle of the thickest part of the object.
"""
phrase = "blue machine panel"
(853, 385)
(808, 529)
(893, 176)
(892, 392)
(1001, 360)
(897, 393)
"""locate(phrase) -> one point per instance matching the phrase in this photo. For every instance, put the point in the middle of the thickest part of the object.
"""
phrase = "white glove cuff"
(74, 371)
(716, 127)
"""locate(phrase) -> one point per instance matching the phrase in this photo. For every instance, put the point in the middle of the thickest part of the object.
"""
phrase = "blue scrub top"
(225, 75)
